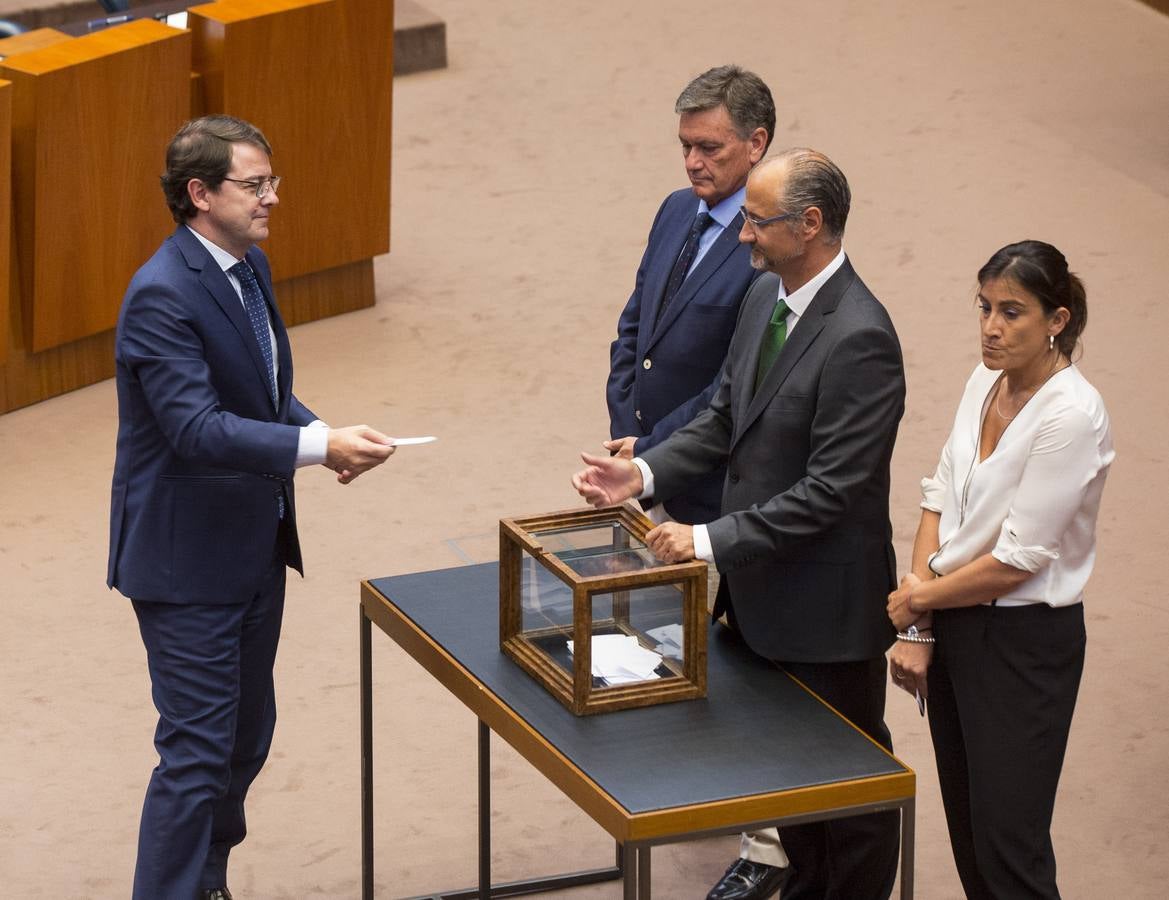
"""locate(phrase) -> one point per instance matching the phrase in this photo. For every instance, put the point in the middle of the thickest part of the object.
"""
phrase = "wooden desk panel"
(315, 76)
(90, 119)
(5, 213)
(31, 40)
(335, 216)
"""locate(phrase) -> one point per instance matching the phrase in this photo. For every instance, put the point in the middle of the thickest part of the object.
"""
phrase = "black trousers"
(1002, 689)
(853, 858)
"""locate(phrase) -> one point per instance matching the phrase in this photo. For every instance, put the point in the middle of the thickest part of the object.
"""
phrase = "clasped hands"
(908, 662)
(356, 449)
(608, 480)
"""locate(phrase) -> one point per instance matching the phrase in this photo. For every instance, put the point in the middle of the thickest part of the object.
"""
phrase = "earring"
(1051, 342)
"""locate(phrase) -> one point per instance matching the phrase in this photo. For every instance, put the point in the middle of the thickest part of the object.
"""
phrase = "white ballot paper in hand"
(620, 659)
(402, 442)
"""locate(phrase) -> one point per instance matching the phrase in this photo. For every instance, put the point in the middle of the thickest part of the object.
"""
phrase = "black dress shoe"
(746, 880)
(217, 894)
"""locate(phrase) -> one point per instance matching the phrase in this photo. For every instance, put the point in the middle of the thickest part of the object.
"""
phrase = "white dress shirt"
(798, 302)
(1032, 503)
(312, 444)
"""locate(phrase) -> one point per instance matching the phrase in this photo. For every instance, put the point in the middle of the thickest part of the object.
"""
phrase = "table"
(796, 759)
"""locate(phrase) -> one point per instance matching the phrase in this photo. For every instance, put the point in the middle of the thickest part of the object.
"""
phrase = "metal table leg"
(629, 867)
(484, 811)
(907, 839)
(485, 889)
(366, 691)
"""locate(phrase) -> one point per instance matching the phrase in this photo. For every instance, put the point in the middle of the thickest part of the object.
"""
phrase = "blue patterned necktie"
(774, 336)
(257, 311)
(685, 258)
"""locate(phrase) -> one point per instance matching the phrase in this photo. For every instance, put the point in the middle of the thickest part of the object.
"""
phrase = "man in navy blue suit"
(203, 514)
(673, 334)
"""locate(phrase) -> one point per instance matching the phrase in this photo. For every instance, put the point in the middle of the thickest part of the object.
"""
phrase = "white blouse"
(1032, 503)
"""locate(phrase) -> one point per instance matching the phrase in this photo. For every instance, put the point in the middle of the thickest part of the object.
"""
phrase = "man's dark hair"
(202, 149)
(746, 97)
(812, 179)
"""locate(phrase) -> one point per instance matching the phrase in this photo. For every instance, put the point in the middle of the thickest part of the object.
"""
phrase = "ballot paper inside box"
(588, 611)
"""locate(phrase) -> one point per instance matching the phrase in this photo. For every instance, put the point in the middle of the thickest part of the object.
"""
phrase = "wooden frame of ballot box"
(575, 686)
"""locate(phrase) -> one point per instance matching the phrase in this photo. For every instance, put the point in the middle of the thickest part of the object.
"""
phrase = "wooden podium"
(5, 212)
(90, 118)
(268, 61)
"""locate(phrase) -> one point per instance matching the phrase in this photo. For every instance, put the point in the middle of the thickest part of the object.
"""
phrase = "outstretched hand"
(607, 480)
(356, 449)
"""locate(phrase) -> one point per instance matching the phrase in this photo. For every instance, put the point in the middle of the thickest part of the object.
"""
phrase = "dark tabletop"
(756, 732)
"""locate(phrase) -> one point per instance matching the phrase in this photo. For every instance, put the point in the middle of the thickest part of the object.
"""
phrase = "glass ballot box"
(588, 611)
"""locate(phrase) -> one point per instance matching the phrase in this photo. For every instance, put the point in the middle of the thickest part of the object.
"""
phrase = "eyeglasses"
(261, 186)
(756, 222)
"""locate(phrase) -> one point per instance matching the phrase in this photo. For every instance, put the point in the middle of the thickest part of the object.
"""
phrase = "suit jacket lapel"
(654, 289)
(723, 246)
(807, 330)
(214, 279)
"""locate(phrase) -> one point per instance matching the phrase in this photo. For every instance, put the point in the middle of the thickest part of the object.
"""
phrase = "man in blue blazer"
(203, 514)
(673, 334)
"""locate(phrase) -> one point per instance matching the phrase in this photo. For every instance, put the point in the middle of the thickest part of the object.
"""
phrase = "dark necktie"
(682, 264)
(773, 337)
(257, 312)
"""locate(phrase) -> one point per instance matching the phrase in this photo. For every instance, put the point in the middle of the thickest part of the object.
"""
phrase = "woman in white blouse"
(990, 617)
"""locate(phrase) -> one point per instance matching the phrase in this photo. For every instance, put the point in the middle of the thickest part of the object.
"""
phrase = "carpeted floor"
(525, 177)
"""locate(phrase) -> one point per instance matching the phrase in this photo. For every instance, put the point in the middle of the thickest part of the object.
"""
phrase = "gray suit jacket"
(804, 540)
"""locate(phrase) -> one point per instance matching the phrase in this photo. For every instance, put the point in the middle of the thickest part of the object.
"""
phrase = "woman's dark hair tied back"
(1042, 271)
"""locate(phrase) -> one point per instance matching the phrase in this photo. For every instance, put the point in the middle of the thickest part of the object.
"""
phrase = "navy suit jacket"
(804, 542)
(202, 453)
(662, 374)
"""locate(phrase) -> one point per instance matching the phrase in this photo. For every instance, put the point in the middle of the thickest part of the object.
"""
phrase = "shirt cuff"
(933, 494)
(647, 478)
(702, 548)
(1011, 551)
(312, 445)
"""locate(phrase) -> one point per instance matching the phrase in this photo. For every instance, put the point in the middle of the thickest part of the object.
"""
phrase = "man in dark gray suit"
(805, 420)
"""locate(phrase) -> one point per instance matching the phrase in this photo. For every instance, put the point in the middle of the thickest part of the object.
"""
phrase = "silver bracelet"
(913, 636)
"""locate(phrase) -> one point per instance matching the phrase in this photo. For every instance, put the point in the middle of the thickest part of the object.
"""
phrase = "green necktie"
(773, 337)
